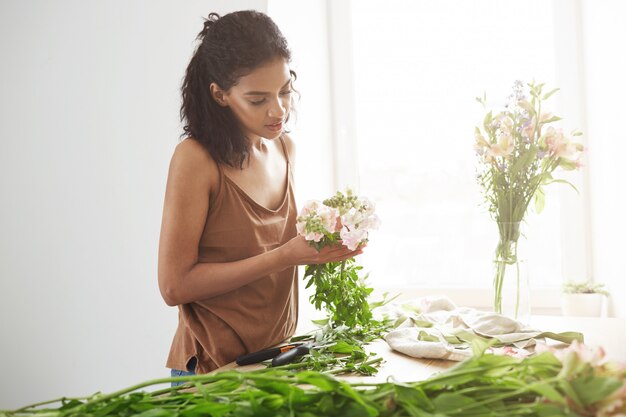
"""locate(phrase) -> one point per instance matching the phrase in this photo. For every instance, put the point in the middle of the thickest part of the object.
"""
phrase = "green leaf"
(549, 94)
(427, 337)
(540, 200)
(562, 182)
(343, 347)
(156, 412)
(208, 408)
(414, 397)
(67, 405)
(420, 322)
(487, 121)
(354, 409)
(548, 391)
(567, 165)
(570, 391)
(349, 392)
(552, 410)
(565, 337)
(447, 402)
(326, 406)
(542, 359)
(272, 401)
(453, 339)
(527, 106)
(591, 389)
(523, 161)
(551, 119)
(325, 382)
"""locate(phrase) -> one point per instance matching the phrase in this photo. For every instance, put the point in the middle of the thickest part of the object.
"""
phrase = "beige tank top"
(255, 316)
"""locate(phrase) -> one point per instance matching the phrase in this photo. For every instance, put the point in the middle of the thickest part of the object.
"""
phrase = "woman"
(228, 249)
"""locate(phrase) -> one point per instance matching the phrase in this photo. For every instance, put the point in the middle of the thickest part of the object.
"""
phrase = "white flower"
(328, 216)
(352, 238)
(316, 220)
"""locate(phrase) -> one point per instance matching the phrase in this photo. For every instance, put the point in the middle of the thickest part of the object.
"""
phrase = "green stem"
(56, 400)
(497, 398)
(287, 367)
(517, 290)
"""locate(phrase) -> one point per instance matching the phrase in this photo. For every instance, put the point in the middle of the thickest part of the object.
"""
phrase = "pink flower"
(528, 130)
(559, 146)
(481, 144)
(510, 351)
(504, 147)
(314, 236)
(310, 207)
(353, 218)
(545, 116)
(301, 227)
(506, 124)
(353, 238)
(316, 220)
(328, 216)
(584, 353)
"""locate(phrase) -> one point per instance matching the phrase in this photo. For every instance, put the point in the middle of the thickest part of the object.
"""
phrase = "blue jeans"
(191, 365)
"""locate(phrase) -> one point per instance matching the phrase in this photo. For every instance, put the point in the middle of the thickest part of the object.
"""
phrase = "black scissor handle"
(289, 356)
(265, 354)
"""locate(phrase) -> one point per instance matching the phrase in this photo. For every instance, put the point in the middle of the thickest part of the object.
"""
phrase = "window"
(406, 139)
(417, 68)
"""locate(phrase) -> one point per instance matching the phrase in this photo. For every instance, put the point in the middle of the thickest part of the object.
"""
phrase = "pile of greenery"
(574, 383)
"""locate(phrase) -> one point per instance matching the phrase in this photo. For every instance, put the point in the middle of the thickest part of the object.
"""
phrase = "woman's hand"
(298, 252)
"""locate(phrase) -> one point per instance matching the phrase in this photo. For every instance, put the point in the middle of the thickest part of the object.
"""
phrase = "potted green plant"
(583, 298)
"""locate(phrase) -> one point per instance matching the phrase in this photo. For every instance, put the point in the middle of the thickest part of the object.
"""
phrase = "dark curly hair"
(231, 46)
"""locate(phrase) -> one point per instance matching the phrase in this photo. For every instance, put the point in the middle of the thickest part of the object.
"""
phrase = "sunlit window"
(418, 67)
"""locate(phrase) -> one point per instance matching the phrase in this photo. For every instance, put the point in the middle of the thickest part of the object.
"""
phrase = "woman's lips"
(276, 127)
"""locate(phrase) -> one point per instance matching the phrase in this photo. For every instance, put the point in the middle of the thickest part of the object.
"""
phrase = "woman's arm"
(182, 279)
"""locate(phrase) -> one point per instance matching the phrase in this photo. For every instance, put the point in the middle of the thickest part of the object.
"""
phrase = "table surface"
(610, 333)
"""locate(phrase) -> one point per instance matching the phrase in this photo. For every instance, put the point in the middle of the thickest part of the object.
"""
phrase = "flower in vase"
(518, 150)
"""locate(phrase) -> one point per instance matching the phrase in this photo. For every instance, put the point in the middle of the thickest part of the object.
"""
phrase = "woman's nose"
(277, 109)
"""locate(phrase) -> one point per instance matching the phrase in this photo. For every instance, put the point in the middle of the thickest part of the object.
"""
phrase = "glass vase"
(511, 288)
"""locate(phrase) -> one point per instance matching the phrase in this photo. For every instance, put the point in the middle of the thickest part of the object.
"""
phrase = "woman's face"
(261, 100)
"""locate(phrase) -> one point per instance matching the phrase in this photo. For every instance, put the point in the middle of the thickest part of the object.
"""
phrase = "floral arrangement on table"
(576, 381)
(518, 150)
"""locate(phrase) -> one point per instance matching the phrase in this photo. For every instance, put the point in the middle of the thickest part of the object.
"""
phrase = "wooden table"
(610, 333)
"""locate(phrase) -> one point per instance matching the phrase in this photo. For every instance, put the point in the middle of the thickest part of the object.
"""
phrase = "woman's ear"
(218, 95)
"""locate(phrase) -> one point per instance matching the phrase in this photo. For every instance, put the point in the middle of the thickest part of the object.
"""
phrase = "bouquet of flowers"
(518, 151)
(343, 219)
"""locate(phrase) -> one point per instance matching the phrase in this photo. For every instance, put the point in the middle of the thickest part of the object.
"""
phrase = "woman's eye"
(259, 102)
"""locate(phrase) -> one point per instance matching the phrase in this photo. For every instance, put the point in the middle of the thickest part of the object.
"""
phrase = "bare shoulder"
(191, 151)
(192, 161)
(290, 145)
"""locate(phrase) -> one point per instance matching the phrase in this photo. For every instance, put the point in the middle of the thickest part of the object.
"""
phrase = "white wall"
(312, 129)
(604, 42)
(88, 121)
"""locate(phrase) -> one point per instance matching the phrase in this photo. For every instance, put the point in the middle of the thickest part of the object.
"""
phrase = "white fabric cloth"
(434, 327)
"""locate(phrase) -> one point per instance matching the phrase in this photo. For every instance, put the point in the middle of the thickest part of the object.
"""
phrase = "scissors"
(280, 355)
